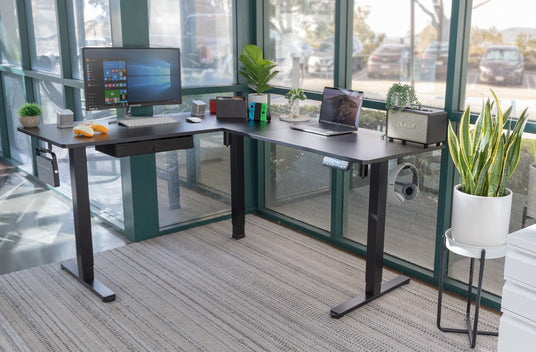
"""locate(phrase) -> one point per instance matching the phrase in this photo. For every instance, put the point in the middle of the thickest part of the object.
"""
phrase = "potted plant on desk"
(485, 156)
(258, 71)
(407, 120)
(30, 115)
(294, 96)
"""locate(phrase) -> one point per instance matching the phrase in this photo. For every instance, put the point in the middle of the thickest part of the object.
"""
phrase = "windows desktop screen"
(125, 77)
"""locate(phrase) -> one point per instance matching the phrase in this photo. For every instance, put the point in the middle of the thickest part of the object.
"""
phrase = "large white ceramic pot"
(480, 221)
(257, 98)
(531, 192)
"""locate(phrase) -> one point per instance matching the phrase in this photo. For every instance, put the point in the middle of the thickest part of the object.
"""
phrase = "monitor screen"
(129, 77)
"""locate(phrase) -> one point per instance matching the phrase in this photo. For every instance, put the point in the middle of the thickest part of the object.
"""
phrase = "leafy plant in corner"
(401, 96)
(257, 70)
(486, 156)
(30, 109)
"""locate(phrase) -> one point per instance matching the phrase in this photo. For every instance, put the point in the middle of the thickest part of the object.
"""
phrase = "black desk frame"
(83, 267)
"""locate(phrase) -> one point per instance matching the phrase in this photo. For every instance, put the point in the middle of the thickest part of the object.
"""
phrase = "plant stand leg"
(471, 325)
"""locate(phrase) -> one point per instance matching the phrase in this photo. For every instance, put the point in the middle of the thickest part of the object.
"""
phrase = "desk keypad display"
(336, 163)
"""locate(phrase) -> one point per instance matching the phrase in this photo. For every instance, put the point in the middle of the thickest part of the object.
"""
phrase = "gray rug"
(200, 290)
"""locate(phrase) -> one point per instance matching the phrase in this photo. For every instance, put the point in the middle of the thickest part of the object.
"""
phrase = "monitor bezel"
(137, 104)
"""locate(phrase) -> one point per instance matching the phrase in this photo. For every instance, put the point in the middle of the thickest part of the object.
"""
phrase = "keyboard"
(146, 121)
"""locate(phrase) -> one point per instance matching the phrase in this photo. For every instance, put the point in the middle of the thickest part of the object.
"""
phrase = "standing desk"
(364, 147)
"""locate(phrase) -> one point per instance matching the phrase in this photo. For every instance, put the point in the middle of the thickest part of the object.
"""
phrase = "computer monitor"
(131, 77)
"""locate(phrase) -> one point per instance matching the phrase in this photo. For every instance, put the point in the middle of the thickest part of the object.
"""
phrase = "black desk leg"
(238, 207)
(375, 241)
(82, 269)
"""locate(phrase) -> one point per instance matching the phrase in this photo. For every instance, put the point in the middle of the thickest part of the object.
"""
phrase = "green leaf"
(494, 174)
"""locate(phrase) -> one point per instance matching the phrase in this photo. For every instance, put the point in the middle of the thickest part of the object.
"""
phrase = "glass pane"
(50, 98)
(194, 183)
(46, 36)
(306, 108)
(298, 186)
(410, 51)
(92, 28)
(502, 56)
(302, 43)
(203, 31)
(9, 33)
(410, 226)
(19, 143)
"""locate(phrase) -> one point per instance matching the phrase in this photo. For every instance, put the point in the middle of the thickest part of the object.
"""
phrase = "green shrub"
(30, 109)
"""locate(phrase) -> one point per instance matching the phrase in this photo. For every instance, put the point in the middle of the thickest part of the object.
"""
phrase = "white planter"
(257, 98)
(480, 221)
(531, 192)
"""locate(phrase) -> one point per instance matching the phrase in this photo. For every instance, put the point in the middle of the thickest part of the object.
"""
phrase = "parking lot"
(432, 93)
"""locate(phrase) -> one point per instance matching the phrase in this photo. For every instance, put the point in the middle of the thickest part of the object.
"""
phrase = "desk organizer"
(517, 328)
(231, 108)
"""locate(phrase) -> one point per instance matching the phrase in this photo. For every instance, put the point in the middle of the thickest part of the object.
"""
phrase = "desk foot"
(103, 292)
(362, 299)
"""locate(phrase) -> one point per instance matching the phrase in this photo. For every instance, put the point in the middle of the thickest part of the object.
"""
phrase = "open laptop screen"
(341, 107)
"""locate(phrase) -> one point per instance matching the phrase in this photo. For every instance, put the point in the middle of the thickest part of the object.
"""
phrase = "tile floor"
(36, 224)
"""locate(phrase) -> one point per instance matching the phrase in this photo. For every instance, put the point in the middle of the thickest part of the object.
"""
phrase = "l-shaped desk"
(363, 147)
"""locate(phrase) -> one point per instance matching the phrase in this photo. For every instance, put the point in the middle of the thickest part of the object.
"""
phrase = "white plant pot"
(257, 98)
(531, 192)
(480, 221)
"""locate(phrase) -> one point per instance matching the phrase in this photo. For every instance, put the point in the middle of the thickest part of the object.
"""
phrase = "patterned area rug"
(200, 290)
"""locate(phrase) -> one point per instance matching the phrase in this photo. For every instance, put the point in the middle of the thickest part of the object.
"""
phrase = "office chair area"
(36, 224)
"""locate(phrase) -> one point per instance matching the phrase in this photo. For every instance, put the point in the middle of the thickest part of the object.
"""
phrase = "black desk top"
(364, 146)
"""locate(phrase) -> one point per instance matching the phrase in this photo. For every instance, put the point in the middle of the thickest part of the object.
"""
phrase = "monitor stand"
(138, 111)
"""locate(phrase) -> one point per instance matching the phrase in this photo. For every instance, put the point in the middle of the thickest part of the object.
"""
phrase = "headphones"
(399, 191)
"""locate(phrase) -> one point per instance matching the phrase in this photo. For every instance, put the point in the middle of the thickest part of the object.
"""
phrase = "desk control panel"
(336, 163)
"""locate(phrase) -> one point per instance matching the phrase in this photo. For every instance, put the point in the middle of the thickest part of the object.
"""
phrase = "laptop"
(339, 113)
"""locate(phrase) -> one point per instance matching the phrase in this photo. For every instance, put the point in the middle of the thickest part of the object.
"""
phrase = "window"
(391, 47)
(502, 56)
(9, 34)
(47, 53)
(302, 42)
(19, 144)
(298, 185)
(203, 31)
(92, 28)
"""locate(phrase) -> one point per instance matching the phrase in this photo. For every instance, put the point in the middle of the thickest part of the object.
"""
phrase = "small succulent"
(402, 96)
(296, 93)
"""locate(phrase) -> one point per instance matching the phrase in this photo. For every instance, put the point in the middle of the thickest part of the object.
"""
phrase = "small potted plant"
(30, 115)
(258, 71)
(294, 96)
(407, 120)
(485, 156)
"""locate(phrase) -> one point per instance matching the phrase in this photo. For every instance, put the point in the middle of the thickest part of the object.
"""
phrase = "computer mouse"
(193, 119)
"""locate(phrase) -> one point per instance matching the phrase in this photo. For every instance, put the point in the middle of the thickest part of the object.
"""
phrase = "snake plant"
(257, 70)
(486, 156)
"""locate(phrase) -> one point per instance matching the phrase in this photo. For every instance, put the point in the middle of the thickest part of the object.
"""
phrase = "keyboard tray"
(146, 147)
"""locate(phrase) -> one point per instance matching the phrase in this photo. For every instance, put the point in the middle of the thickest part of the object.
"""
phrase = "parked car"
(322, 59)
(389, 60)
(434, 60)
(501, 64)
